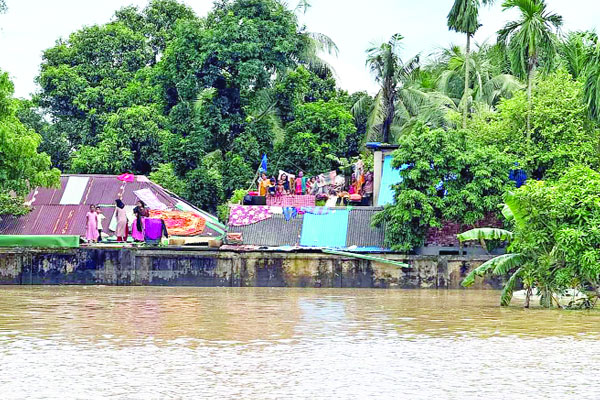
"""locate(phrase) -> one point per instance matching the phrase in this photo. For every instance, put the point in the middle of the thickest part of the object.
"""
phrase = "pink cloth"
(291, 201)
(247, 215)
(91, 232)
(126, 177)
(298, 186)
(135, 234)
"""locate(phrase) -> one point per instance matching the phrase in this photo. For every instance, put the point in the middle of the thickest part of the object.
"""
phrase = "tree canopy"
(22, 167)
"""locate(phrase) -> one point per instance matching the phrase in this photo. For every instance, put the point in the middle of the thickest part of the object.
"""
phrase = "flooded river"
(260, 343)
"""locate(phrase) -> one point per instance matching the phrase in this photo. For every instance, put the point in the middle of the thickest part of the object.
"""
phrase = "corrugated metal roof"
(49, 217)
(360, 232)
(274, 232)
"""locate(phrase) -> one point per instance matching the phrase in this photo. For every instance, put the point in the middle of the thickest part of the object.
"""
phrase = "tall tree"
(487, 83)
(403, 99)
(22, 167)
(528, 38)
(464, 18)
(385, 62)
(592, 79)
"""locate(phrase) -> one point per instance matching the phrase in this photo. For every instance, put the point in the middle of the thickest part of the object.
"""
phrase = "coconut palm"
(464, 18)
(487, 83)
(591, 89)
(386, 65)
(527, 39)
(315, 43)
(401, 100)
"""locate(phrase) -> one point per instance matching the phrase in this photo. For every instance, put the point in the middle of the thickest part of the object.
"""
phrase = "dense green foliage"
(555, 241)
(22, 167)
(450, 177)
(160, 90)
(561, 135)
(195, 103)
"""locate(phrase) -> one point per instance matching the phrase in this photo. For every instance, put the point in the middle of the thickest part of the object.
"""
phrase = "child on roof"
(280, 189)
(91, 225)
(272, 187)
(100, 218)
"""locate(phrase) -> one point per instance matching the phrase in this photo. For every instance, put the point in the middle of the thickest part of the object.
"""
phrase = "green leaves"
(464, 16)
(22, 167)
(529, 37)
(486, 234)
(320, 129)
(500, 265)
(449, 177)
(562, 134)
(509, 288)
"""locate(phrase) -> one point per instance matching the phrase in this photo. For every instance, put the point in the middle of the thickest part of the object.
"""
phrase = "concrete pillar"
(377, 172)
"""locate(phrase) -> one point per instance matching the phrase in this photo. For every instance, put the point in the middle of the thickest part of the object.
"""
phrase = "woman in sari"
(299, 183)
(140, 212)
(121, 215)
(91, 225)
(263, 185)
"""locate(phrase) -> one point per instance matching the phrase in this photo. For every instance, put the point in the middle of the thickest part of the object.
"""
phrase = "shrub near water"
(560, 236)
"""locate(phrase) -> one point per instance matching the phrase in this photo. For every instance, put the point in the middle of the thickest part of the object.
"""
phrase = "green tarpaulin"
(45, 241)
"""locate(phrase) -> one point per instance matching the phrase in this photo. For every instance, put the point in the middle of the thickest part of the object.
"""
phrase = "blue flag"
(263, 164)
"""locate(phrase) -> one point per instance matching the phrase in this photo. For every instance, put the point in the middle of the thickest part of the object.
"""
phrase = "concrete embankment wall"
(183, 267)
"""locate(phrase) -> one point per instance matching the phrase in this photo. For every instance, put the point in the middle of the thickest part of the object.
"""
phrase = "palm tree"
(591, 89)
(401, 100)
(527, 39)
(385, 63)
(314, 44)
(464, 18)
(577, 50)
(488, 83)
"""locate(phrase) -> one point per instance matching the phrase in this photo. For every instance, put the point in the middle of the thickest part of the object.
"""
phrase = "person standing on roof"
(263, 185)
(299, 183)
(140, 212)
(121, 216)
(91, 229)
(100, 220)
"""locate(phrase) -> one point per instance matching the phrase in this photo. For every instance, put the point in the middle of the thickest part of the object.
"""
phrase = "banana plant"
(512, 263)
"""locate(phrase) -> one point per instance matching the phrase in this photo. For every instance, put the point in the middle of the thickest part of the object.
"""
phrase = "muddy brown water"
(266, 343)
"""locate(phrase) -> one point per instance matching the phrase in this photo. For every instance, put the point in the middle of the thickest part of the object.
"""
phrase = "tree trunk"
(389, 119)
(466, 92)
(530, 79)
(527, 298)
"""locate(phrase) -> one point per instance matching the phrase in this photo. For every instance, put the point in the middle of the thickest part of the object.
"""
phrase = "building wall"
(182, 267)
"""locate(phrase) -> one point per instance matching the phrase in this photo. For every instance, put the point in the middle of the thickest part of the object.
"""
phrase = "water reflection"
(98, 342)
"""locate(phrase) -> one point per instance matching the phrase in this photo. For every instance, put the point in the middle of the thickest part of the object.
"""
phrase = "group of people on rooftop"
(361, 185)
(286, 185)
(95, 219)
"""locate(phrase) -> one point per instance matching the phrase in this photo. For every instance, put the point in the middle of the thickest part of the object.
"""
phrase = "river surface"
(262, 343)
